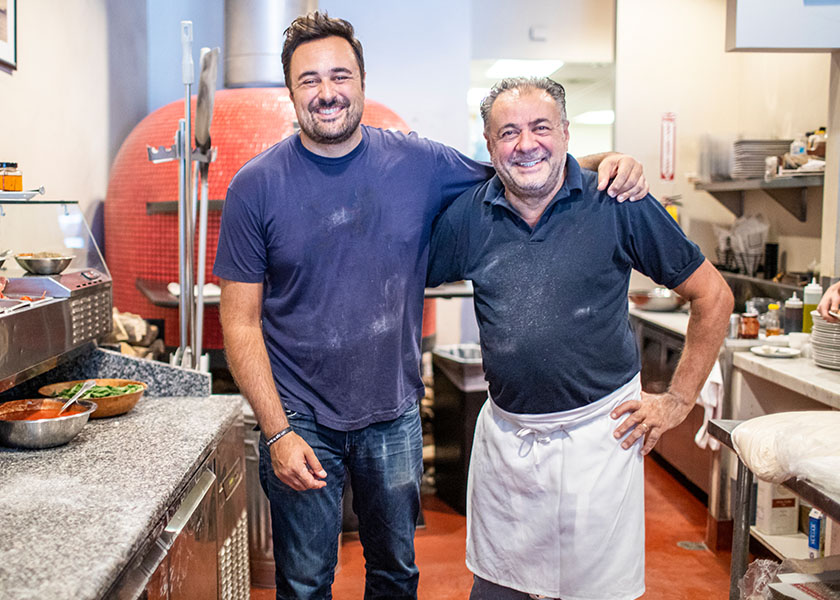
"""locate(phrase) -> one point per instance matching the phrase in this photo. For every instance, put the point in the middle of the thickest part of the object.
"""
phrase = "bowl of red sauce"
(36, 424)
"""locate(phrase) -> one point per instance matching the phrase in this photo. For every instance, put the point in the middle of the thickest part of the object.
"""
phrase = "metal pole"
(186, 200)
(741, 529)
(183, 305)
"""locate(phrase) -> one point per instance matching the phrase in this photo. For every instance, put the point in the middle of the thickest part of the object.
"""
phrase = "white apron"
(555, 505)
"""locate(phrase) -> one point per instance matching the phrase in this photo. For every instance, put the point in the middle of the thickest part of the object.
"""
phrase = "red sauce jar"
(748, 328)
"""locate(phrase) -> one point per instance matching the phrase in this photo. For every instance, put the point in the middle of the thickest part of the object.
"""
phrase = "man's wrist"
(680, 397)
(279, 435)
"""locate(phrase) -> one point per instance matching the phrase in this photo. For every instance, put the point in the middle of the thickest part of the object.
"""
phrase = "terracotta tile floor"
(673, 515)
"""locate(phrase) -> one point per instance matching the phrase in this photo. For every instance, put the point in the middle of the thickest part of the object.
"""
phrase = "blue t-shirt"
(341, 246)
(552, 302)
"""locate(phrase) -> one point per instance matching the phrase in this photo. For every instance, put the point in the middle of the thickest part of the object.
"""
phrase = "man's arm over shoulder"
(711, 304)
(240, 311)
(626, 173)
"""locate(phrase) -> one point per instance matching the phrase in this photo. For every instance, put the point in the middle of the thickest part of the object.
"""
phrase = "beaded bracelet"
(277, 436)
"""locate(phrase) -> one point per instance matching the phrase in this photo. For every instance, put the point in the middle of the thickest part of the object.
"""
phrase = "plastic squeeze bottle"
(772, 323)
(810, 298)
(793, 314)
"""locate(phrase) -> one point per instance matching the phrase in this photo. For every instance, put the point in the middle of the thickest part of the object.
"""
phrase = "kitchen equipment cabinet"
(46, 319)
(201, 549)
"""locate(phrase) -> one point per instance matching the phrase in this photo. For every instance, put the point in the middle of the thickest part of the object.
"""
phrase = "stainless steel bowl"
(657, 299)
(43, 433)
(43, 266)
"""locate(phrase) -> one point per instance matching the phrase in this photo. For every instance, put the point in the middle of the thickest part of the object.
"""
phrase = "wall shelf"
(790, 192)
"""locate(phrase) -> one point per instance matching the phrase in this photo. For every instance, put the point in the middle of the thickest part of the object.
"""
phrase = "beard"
(537, 185)
(333, 132)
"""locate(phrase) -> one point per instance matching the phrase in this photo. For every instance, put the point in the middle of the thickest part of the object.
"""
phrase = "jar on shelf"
(12, 177)
(748, 328)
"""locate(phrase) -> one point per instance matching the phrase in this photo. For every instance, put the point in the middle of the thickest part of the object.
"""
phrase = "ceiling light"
(507, 67)
(595, 117)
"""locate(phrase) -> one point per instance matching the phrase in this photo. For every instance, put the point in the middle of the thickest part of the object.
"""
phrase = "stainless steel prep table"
(830, 504)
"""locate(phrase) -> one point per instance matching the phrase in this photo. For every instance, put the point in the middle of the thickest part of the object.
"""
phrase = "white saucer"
(775, 351)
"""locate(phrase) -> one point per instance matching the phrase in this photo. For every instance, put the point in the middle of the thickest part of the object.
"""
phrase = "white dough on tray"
(803, 444)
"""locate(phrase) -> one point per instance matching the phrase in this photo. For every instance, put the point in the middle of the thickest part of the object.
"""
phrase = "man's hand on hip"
(296, 465)
(649, 417)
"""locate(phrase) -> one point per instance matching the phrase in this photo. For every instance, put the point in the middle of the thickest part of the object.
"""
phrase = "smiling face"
(327, 89)
(528, 138)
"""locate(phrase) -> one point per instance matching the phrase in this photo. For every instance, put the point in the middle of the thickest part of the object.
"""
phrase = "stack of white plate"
(748, 156)
(825, 342)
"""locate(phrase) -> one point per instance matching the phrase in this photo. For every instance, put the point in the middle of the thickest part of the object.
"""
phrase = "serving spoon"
(85, 387)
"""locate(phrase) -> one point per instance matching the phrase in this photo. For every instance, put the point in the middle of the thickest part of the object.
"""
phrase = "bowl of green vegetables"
(112, 396)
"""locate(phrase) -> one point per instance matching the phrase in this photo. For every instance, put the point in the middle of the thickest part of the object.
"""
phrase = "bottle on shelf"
(772, 323)
(810, 298)
(793, 314)
(798, 145)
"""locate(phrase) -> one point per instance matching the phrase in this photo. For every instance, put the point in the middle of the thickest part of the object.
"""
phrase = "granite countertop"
(72, 517)
(801, 375)
(676, 321)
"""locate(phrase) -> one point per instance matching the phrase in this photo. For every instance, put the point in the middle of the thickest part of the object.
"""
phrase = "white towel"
(711, 399)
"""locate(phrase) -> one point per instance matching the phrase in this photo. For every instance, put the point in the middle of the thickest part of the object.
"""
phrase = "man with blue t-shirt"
(555, 503)
(322, 254)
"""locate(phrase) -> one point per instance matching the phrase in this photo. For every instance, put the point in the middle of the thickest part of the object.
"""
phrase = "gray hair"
(546, 84)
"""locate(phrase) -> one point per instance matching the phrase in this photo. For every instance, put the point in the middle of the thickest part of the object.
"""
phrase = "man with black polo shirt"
(555, 493)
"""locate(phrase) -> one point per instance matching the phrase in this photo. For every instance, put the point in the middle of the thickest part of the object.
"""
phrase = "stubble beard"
(320, 134)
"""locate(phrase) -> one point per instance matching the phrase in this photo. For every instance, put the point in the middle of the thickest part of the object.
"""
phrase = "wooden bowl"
(108, 406)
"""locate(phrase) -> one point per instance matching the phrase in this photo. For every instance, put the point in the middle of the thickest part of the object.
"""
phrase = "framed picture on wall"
(8, 33)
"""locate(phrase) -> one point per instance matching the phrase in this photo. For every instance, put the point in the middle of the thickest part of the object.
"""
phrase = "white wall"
(670, 58)
(74, 95)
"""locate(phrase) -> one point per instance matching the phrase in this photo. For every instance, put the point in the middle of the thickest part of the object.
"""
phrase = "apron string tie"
(540, 437)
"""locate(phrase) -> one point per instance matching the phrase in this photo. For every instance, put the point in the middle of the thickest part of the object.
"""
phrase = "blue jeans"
(385, 463)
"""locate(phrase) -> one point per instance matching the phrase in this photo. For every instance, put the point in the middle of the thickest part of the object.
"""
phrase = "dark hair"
(548, 85)
(317, 26)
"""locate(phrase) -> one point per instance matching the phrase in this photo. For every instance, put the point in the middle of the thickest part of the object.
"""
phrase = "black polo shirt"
(552, 301)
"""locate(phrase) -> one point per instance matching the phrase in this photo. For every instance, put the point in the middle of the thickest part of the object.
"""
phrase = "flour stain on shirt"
(339, 217)
(582, 313)
(381, 325)
(391, 307)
